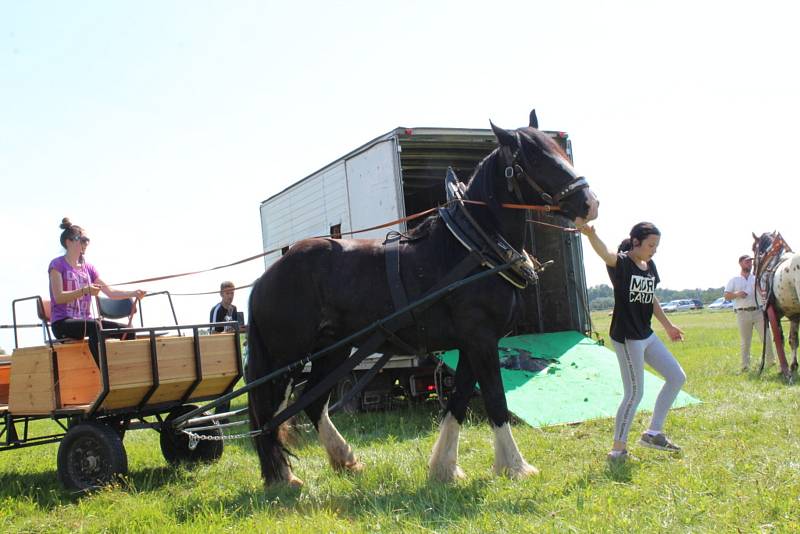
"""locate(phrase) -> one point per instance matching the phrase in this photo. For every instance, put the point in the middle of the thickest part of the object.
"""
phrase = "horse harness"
(485, 250)
(514, 172)
(768, 262)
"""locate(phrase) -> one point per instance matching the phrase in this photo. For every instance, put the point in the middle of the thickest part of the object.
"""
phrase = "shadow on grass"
(45, 490)
(426, 503)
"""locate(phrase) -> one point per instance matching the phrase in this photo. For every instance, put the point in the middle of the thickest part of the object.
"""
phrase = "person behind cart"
(73, 283)
(224, 311)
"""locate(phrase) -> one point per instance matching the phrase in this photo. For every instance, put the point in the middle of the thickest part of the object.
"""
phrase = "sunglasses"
(82, 238)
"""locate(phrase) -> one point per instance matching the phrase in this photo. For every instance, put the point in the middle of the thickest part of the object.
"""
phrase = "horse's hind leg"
(340, 454)
(443, 465)
(270, 444)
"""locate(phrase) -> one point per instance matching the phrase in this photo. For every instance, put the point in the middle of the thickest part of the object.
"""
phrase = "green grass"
(740, 471)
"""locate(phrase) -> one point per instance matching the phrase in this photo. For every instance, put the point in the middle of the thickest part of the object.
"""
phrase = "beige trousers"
(747, 320)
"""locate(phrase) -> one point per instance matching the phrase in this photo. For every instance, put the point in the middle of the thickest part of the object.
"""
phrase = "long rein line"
(412, 217)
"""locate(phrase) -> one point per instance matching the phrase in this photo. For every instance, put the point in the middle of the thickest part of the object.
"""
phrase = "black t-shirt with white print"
(634, 291)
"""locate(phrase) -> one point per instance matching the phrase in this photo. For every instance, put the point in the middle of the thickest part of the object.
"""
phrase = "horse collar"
(492, 250)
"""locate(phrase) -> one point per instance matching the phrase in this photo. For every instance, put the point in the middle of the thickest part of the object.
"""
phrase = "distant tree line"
(602, 297)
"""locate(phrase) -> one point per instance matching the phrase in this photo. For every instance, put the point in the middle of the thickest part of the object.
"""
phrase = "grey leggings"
(631, 355)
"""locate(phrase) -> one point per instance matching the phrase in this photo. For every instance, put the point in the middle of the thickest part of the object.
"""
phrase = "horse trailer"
(397, 175)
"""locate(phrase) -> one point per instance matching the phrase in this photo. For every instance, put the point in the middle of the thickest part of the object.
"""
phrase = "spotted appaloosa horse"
(323, 290)
(777, 271)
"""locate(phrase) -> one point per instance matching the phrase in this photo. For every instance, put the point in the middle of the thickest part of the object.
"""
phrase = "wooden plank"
(128, 363)
(176, 359)
(32, 387)
(218, 355)
(212, 386)
(78, 375)
(170, 392)
(125, 398)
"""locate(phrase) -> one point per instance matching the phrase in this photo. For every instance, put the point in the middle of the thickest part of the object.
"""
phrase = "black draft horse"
(323, 290)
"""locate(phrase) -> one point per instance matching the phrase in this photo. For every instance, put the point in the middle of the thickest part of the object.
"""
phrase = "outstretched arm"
(112, 293)
(599, 247)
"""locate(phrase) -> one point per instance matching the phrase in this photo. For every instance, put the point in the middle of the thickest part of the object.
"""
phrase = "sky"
(160, 126)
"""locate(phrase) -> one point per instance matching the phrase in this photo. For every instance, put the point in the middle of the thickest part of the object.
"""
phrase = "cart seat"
(115, 308)
(44, 311)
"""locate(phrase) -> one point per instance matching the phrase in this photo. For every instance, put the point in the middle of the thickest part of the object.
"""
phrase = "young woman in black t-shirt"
(634, 277)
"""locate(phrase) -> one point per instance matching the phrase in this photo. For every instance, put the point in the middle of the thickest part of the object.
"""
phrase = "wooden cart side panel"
(31, 382)
(78, 376)
(219, 355)
(170, 392)
(211, 387)
(176, 359)
(130, 373)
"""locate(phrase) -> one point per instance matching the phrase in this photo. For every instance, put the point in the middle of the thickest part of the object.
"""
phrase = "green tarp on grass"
(581, 379)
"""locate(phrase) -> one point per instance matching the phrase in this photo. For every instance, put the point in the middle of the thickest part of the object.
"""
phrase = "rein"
(531, 207)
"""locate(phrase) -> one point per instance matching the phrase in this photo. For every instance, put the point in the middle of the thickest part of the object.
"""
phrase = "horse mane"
(480, 185)
(545, 142)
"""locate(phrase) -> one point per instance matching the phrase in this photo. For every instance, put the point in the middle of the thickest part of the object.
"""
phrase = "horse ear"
(504, 137)
(533, 122)
(755, 237)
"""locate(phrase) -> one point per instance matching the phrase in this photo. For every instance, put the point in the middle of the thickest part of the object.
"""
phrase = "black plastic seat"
(115, 309)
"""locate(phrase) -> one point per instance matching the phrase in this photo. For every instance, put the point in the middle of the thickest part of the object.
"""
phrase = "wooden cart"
(142, 383)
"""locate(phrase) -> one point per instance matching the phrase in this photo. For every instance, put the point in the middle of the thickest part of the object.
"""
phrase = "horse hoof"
(449, 475)
(354, 467)
(523, 471)
(526, 471)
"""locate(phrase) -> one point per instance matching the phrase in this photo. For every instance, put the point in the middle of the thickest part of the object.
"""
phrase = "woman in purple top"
(73, 283)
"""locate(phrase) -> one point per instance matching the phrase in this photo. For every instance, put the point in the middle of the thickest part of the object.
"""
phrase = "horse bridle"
(514, 172)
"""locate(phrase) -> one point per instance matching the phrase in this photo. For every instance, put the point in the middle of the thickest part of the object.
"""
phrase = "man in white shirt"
(741, 290)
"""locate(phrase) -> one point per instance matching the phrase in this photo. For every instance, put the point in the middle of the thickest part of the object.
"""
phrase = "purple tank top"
(72, 279)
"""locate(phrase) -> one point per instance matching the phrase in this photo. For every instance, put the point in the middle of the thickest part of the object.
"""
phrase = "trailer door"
(374, 191)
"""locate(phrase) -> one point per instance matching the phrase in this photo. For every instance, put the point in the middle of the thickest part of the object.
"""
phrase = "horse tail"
(263, 402)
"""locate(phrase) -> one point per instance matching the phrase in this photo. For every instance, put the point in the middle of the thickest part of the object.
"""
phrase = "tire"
(344, 385)
(91, 456)
(175, 445)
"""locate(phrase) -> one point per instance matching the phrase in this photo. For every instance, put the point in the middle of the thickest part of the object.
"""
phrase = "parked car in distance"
(697, 304)
(677, 305)
(720, 304)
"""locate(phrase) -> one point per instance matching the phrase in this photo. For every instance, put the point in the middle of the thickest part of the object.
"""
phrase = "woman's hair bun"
(65, 223)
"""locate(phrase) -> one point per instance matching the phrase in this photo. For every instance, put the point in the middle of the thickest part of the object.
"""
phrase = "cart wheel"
(342, 387)
(175, 445)
(90, 456)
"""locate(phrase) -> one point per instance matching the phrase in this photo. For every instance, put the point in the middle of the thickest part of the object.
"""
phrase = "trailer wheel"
(90, 456)
(175, 445)
(344, 385)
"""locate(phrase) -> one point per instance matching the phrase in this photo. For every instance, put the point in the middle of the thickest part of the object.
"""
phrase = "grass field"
(740, 471)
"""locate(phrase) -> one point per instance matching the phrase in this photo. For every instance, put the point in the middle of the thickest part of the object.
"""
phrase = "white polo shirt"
(748, 285)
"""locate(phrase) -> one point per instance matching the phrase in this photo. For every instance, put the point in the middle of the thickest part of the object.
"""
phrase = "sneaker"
(659, 441)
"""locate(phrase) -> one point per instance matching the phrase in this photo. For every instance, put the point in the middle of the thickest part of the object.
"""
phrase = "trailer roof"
(427, 152)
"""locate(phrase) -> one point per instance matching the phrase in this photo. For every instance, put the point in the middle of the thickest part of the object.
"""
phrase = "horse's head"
(762, 244)
(538, 171)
